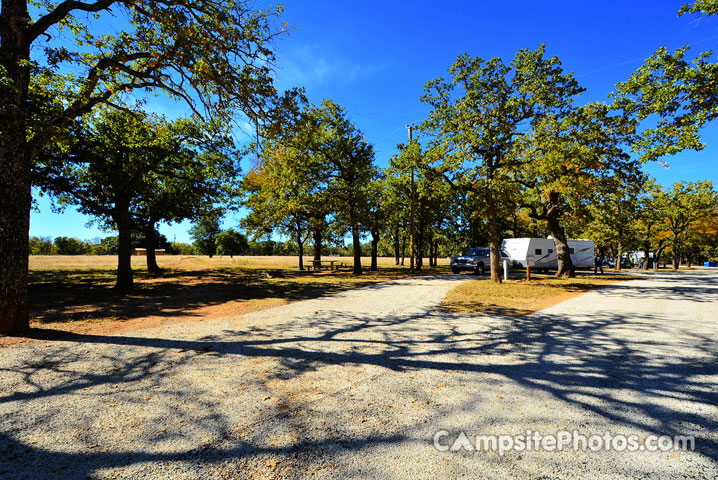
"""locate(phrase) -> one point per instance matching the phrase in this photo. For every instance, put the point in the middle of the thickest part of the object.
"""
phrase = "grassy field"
(75, 292)
(517, 297)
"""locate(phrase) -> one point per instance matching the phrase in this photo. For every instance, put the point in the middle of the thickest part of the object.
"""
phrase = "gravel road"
(356, 385)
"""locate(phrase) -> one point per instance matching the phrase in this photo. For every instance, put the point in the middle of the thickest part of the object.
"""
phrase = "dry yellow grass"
(519, 297)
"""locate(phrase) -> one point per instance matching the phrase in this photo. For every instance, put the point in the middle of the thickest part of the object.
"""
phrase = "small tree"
(347, 162)
(204, 232)
(686, 204)
(231, 242)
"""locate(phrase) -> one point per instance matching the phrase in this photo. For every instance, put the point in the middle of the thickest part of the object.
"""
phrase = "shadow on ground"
(59, 296)
(582, 362)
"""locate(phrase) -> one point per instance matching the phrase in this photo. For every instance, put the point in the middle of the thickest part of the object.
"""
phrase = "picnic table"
(328, 264)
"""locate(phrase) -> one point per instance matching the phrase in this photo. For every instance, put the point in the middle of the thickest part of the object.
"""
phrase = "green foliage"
(70, 246)
(673, 95)
(707, 7)
(181, 248)
(213, 55)
(204, 233)
(231, 242)
(41, 246)
(481, 112)
(142, 167)
(286, 189)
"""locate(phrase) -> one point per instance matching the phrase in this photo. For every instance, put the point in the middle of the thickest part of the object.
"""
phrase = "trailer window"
(570, 250)
(537, 251)
(550, 250)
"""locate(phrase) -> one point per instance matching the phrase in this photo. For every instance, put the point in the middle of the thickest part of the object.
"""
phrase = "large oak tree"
(480, 113)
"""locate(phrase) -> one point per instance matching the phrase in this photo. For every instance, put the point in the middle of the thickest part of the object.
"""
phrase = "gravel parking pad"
(355, 385)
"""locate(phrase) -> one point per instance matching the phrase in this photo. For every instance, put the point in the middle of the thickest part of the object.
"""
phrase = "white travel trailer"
(540, 253)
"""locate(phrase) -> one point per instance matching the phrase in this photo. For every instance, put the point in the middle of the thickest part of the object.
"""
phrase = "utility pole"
(411, 235)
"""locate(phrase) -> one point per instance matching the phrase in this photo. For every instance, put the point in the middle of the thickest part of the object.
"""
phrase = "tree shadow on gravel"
(633, 380)
(64, 296)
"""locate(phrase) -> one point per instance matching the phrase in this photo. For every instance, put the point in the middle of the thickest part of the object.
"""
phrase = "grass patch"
(518, 298)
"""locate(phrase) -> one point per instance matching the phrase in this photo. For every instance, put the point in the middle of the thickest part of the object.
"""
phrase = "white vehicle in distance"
(540, 253)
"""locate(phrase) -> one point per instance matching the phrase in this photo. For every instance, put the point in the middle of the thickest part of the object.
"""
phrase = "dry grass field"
(190, 262)
(74, 293)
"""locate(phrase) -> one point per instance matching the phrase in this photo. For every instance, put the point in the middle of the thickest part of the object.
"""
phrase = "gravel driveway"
(356, 385)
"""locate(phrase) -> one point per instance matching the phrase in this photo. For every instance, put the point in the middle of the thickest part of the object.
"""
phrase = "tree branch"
(62, 11)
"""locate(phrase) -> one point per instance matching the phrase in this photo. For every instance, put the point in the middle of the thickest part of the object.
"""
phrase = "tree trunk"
(14, 228)
(317, 245)
(419, 249)
(125, 282)
(619, 256)
(431, 253)
(374, 250)
(152, 266)
(300, 248)
(403, 250)
(15, 165)
(676, 263)
(357, 249)
(397, 248)
(566, 268)
(494, 237)
(656, 257)
(436, 253)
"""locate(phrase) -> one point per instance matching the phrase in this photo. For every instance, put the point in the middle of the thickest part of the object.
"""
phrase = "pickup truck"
(478, 260)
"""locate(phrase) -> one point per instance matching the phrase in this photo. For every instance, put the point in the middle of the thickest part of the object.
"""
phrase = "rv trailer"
(540, 253)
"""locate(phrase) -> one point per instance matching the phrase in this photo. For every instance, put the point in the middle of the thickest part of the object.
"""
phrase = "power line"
(625, 62)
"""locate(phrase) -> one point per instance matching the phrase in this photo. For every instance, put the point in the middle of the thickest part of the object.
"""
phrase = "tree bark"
(403, 250)
(374, 250)
(317, 244)
(125, 281)
(431, 253)
(566, 268)
(356, 242)
(152, 266)
(619, 255)
(397, 240)
(494, 237)
(300, 248)
(15, 166)
(419, 248)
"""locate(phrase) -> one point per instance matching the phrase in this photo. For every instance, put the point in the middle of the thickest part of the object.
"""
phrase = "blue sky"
(373, 58)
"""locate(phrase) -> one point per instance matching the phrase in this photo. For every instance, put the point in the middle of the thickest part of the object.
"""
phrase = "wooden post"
(528, 273)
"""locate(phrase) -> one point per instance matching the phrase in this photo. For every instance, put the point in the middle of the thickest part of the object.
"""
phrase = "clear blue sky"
(373, 58)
